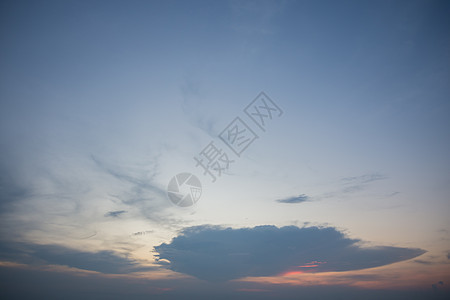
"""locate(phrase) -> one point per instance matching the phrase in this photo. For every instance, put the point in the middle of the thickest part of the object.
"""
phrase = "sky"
(225, 149)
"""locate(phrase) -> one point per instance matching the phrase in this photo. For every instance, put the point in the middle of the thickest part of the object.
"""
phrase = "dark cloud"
(20, 283)
(115, 213)
(102, 261)
(215, 253)
(367, 277)
(33, 283)
(296, 199)
(437, 286)
(423, 262)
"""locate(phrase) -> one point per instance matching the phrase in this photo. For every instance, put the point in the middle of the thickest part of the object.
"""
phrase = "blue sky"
(103, 102)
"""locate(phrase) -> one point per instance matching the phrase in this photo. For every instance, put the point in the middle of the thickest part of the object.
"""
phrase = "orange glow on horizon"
(295, 271)
(397, 276)
(308, 266)
(290, 273)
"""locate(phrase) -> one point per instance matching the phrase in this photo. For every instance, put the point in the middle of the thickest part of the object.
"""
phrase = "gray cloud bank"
(106, 262)
(17, 283)
(215, 253)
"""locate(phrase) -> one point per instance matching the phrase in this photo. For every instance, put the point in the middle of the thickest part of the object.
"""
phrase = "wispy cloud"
(139, 181)
(354, 184)
(115, 214)
(216, 253)
(296, 199)
(192, 108)
(366, 178)
(423, 262)
(139, 189)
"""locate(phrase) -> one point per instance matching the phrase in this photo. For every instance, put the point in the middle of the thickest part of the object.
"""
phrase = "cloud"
(138, 181)
(366, 178)
(358, 183)
(10, 190)
(355, 184)
(115, 214)
(194, 106)
(423, 262)
(23, 283)
(216, 253)
(143, 232)
(296, 199)
(102, 261)
(437, 286)
(350, 185)
(138, 189)
(35, 283)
